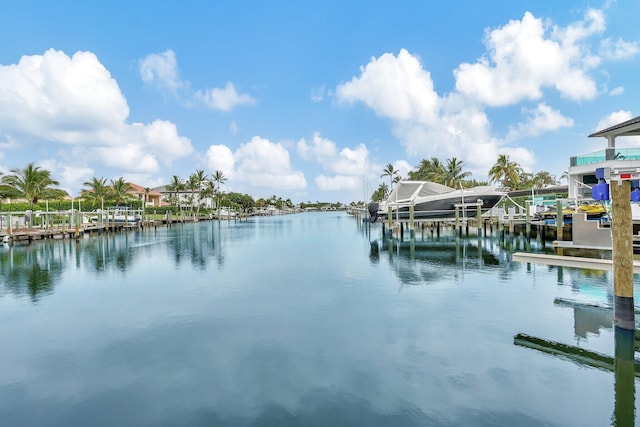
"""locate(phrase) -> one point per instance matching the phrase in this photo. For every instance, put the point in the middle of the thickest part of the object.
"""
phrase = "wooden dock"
(570, 261)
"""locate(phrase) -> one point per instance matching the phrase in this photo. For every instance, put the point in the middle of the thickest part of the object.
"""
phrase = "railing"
(601, 156)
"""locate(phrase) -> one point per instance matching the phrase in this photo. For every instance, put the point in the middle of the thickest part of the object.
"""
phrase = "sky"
(309, 100)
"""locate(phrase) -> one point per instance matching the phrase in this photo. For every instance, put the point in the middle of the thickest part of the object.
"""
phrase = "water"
(305, 319)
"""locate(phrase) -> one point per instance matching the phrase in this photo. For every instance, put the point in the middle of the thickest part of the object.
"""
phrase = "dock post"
(438, 230)
(622, 237)
(528, 222)
(559, 219)
(479, 219)
(390, 220)
(458, 229)
(411, 224)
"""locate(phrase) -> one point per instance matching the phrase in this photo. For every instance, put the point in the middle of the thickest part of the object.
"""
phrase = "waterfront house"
(582, 169)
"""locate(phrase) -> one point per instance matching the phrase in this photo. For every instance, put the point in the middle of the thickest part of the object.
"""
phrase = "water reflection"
(33, 273)
(34, 269)
(427, 260)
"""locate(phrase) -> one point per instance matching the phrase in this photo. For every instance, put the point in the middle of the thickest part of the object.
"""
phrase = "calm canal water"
(305, 320)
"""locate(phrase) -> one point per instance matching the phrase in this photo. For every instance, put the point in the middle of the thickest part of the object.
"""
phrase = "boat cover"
(407, 191)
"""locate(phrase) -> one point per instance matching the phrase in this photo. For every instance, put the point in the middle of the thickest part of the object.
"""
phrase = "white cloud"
(321, 150)
(220, 157)
(526, 56)
(161, 69)
(539, 120)
(225, 99)
(339, 182)
(613, 119)
(258, 164)
(56, 99)
(616, 91)
(619, 49)
(396, 87)
(348, 165)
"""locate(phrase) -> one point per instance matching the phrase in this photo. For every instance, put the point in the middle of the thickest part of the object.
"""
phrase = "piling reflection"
(424, 260)
(593, 313)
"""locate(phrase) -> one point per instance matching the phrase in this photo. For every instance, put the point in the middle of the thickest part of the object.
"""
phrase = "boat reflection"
(427, 260)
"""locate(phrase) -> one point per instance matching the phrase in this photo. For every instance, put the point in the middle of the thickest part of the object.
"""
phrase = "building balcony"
(604, 155)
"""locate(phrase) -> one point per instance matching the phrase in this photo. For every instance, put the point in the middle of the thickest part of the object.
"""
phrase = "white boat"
(431, 200)
(117, 214)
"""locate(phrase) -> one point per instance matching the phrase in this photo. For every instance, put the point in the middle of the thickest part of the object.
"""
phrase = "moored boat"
(431, 200)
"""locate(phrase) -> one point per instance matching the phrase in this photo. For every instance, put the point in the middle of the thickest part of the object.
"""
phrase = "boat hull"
(443, 207)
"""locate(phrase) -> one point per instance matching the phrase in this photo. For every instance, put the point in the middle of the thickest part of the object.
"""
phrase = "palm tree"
(208, 190)
(32, 183)
(543, 179)
(391, 172)
(176, 186)
(219, 178)
(453, 174)
(196, 182)
(119, 193)
(147, 191)
(505, 170)
(429, 170)
(381, 193)
(96, 190)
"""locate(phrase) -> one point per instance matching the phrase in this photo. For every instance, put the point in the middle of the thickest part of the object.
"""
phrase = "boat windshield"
(409, 190)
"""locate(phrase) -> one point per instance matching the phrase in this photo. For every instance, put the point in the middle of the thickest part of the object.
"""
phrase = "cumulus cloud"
(257, 164)
(223, 99)
(540, 120)
(59, 98)
(396, 87)
(348, 166)
(527, 55)
(613, 119)
(161, 70)
(524, 59)
(619, 49)
(73, 100)
(220, 157)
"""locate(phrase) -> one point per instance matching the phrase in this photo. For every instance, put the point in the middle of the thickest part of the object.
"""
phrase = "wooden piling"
(622, 237)
(559, 220)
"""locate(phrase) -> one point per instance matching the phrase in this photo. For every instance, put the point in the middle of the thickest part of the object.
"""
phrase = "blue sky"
(309, 100)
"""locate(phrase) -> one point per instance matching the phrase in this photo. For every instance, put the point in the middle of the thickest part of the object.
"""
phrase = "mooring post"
(622, 236)
(458, 230)
(479, 219)
(559, 219)
(528, 221)
(390, 219)
(411, 224)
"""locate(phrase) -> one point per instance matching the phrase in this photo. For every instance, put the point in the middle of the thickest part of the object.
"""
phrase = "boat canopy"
(408, 191)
